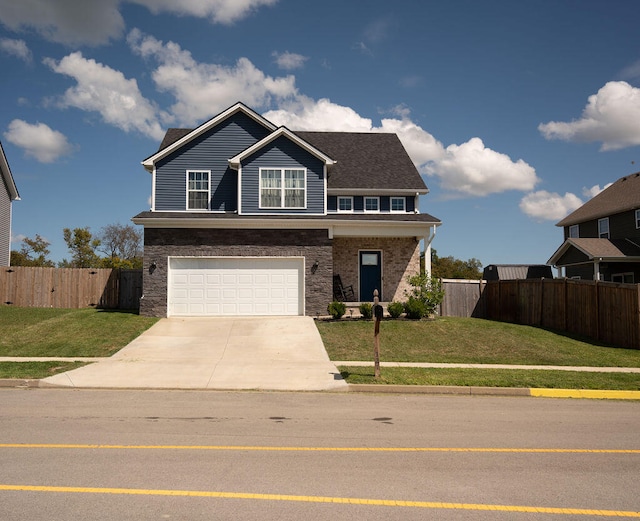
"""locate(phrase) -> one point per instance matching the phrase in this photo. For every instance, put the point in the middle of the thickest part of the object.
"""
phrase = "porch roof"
(599, 250)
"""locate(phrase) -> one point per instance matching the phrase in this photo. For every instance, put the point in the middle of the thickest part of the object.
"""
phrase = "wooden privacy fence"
(23, 286)
(604, 311)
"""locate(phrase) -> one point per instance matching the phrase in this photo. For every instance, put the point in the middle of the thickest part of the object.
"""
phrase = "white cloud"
(17, 48)
(203, 89)
(218, 11)
(65, 21)
(612, 116)
(289, 60)
(39, 141)
(594, 190)
(104, 90)
(470, 169)
(543, 205)
(96, 22)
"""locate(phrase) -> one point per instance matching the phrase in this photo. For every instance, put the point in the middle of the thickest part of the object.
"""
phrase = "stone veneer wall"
(400, 259)
(161, 243)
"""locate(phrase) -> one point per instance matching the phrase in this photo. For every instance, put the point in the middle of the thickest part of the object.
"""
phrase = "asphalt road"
(155, 455)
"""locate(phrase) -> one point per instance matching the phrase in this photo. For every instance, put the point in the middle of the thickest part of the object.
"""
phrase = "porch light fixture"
(152, 267)
(314, 268)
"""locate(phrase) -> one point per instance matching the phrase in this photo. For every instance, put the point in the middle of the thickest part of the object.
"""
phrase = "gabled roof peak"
(5, 175)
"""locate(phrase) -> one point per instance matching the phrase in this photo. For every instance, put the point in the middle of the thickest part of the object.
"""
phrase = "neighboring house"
(602, 237)
(517, 271)
(8, 193)
(252, 219)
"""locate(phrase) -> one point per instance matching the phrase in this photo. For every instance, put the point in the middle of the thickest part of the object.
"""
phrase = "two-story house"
(8, 194)
(248, 218)
(602, 237)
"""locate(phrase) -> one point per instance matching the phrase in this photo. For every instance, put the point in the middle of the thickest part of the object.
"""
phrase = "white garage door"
(235, 286)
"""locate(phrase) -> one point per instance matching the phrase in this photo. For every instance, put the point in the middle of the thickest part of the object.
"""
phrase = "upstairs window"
(282, 187)
(371, 204)
(345, 204)
(637, 218)
(198, 190)
(574, 231)
(398, 204)
(603, 228)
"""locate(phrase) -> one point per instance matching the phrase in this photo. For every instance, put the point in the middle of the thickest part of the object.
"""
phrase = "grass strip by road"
(67, 332)
(35, 370)
(438, 505)
(491, 378)
(467, 340)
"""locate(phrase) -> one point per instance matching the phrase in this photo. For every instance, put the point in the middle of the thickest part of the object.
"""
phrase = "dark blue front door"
(370, 275)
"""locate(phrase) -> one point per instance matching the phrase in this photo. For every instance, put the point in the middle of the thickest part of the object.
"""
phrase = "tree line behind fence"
(606, 312)
(22, 286)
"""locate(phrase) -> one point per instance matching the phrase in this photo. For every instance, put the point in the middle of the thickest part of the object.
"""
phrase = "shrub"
(366, 310)
(395, 309)
(415, 308)
(428, 290)
(336, 309)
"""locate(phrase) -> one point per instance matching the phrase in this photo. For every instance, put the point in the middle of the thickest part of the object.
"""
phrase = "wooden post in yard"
(377, 314)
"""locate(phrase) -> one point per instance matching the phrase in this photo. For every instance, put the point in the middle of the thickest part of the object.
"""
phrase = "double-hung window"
(637, 218)
(603, 228)
(397, 204)
(574, 231)
(371, 204)
(282, 187)
(345, 204)
(198, 190)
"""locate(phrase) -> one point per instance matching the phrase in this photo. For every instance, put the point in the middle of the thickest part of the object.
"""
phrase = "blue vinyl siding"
(282, 153)
(209, 151)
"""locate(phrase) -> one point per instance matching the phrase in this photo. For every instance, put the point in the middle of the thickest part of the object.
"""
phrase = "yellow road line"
(586, 393)
(313, 449)
(323, 499)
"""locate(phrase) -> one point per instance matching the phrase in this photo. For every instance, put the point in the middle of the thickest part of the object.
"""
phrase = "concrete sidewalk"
(268, 353)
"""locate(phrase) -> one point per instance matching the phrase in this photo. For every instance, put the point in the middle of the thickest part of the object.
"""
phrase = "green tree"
(122, 246)
(452, 268)
(33, 252)
(82, 246)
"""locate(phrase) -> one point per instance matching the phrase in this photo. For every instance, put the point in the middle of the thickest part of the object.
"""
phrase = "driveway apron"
(268, 353)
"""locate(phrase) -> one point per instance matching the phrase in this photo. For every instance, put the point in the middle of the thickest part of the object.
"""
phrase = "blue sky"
(515, 112)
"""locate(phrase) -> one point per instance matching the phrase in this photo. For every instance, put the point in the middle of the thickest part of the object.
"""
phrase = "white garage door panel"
(234, 286)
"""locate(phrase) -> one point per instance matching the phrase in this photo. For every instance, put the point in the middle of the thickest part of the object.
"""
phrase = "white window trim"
(622, 275)
(575, 227)
(338, 203)
(637, 218)
(208, 172)
(608, 233)
(364, 204)
(404, 204)
(282, 189)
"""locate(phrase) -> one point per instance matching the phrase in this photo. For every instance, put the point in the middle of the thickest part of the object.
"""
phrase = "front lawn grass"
(67, 332)
(35, 370)
(492, 378)
(467, 340)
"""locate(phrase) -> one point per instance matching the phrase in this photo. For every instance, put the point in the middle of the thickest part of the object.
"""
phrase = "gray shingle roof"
(606, 249)
(367, 160)
(364, 160)
(621, 196)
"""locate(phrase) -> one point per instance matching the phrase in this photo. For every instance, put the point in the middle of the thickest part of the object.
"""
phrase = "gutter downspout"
(427, 248)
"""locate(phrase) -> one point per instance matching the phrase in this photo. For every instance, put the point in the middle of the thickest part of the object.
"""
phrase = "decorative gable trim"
(235, 161)
(150, 162)
(5, 173)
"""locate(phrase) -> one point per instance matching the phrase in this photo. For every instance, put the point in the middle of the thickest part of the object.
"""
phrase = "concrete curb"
(592, 394)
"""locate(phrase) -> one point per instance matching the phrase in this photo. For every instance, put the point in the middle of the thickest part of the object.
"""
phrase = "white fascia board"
(5, 171)
(235, 161)
(336, 228)
(376, 191)
(150, 161)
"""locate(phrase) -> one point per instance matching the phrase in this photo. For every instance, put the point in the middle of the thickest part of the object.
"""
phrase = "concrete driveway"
(269, 353)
